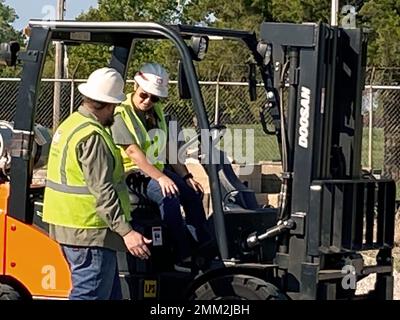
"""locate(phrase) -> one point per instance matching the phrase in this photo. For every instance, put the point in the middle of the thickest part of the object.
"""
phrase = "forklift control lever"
(253, 239)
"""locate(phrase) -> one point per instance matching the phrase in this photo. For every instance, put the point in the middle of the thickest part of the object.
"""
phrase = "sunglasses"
(145, 95)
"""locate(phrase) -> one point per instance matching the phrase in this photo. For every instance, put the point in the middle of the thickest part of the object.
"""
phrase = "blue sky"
(43, 9)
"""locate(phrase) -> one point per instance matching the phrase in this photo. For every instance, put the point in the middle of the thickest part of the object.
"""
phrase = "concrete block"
(270, 183)
(39, 177)
(270, 167)
(199, 174)
(207, 204)
(271, 177)
(252, 177)
(273, 200)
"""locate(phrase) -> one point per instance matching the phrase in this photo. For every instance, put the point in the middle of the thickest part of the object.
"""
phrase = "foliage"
(227, 58)
(299, 11)
(245, 15)
(8, 33)
(383, 18)
(163, 11)
(7, 17)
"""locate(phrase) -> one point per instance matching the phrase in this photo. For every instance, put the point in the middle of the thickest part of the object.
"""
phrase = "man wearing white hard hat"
(140, 128)
(86, 201)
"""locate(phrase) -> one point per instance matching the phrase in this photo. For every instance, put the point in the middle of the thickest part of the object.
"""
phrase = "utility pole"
(58, 69)
(334, 12)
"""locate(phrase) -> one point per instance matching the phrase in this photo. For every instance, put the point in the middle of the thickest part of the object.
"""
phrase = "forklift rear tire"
(237, 287)
(8, 293)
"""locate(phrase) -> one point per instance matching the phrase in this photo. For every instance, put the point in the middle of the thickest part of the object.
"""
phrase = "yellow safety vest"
(153, 147)
(67, 200)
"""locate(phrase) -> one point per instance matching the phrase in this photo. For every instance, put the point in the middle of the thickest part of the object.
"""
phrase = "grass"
(266, 146)
(378, 150)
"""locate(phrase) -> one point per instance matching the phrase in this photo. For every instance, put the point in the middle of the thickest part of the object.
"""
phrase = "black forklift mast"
(23, 136)
(328, 201)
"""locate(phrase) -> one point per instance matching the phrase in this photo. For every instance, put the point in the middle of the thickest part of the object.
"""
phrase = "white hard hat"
(104, 85)
(153, 79)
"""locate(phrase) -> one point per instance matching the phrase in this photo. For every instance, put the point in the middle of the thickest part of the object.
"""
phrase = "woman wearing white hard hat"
(141, 131)
(86, 202)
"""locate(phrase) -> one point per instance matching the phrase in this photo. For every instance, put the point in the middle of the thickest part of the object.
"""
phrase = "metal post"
(334, 12)
(371, 122)
(216, 111)
(370, 132)
(72, 97)
(58, 70)
(216, 114)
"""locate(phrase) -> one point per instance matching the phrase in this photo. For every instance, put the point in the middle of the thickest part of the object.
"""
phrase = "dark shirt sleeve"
(97, 164)
(120, 132)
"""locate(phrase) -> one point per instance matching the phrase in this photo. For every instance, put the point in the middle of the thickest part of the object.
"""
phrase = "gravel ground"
(367, 283)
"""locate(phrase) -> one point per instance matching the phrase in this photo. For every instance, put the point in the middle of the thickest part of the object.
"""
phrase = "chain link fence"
(70, 99)
(381, 140)
(228, 103)
(381, 110)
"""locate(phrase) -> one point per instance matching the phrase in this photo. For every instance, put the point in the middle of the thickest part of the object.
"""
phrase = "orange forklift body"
(44, 272)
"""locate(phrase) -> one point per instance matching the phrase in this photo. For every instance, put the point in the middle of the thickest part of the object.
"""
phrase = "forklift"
(329, 212)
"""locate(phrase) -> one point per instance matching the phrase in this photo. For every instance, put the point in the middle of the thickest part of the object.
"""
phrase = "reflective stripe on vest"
(138, 130)
(67, 200)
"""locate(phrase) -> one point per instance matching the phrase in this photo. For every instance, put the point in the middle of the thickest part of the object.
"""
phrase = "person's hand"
(137, 244)
(168, 187)
(195, 185)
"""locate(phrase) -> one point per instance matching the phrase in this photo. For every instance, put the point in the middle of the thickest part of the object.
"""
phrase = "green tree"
(8, 33)
(229, 57)
(383, 19)
(299, 11)
(7, 17)
(163, 11)
(245, 15)
(382, 16)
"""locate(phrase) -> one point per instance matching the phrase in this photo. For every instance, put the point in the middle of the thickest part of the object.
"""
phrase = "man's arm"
(97, 165)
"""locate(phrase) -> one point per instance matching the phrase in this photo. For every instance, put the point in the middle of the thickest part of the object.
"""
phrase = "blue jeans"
(171, 213)
(94, 273)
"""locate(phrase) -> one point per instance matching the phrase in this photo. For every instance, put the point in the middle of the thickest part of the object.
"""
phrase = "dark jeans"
(94, 273)
(171, 213)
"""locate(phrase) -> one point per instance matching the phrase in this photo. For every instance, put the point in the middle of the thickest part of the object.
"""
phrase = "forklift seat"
(235, 193)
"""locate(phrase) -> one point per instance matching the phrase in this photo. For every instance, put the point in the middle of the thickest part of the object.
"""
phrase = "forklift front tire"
(237, 287)
(8, 293)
